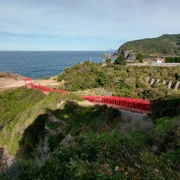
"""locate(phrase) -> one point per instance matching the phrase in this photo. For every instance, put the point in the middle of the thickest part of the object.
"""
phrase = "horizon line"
(50, 50)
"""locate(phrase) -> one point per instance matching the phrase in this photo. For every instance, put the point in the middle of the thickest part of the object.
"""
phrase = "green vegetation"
(108, 60)
(96, 146)
(22, 107)
(165, 45)
(165, 107)
(121, 80)
(99, 150)
(173, 59)
(53, 137)
(120, 60)
(139, 57)
(12, 102)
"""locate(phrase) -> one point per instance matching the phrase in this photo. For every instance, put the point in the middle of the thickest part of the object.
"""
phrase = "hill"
(165, 45)
(129, 81)
(52, 137)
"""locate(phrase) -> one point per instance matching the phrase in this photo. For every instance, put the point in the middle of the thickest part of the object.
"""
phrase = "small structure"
(160, 60)
(27, 80)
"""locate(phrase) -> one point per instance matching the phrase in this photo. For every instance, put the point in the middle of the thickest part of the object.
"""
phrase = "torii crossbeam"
(26, 80)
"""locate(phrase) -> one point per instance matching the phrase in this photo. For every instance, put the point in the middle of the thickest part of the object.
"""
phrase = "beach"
(9, 80)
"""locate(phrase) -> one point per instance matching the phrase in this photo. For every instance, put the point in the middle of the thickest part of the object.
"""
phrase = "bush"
(91, 75)
(120, 60)
(105, 156)
(173, 59)
(108, 60)
(165, 107)
(139, 57)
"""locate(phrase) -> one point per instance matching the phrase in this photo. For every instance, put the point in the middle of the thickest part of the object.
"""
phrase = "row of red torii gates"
(129, 104)
(29, 82)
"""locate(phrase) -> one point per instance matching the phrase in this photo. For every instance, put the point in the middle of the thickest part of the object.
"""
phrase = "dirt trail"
(9, 80)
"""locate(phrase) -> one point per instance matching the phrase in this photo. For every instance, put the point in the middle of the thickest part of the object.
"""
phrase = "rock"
(129, 55)
(122, 51)
(10, 75)
(66, 141)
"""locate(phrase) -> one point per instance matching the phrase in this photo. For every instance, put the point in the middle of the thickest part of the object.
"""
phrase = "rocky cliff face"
(129, 55)
(10, 75)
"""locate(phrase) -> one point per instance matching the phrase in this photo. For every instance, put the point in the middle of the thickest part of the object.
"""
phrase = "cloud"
(100, 24)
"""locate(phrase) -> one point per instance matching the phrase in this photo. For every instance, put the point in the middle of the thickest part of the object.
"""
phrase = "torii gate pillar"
(27, 79)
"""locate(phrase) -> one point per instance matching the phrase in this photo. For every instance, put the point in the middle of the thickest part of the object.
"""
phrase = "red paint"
(131, 104)
(47, 89)
(42, 88)
(26, 80)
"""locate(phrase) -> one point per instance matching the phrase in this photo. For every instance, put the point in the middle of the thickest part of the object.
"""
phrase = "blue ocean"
(39, 64)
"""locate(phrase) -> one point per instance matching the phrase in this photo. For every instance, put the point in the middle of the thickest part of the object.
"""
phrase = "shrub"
(108, 60)
(120, 60)
(139, 57)
(172, 59)
(165, 107)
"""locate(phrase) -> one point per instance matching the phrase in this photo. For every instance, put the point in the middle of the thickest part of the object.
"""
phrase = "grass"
(166, 45)
(98, 150)
(19, 109)
(12, 102)
(121, 80)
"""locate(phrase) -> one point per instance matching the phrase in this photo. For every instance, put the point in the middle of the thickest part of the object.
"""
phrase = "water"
(38, 64)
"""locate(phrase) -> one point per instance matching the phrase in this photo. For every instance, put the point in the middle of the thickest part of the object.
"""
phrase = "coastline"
(10, 80)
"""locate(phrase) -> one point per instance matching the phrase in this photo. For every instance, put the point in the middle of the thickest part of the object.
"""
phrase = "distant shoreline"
(11, 80)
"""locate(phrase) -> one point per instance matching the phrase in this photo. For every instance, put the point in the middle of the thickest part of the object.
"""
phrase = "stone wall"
(169, 83)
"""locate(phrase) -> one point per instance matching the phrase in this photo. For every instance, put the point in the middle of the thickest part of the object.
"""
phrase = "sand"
(12, 82)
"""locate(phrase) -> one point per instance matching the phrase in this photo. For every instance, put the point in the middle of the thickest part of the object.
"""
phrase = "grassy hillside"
(12, 102)
(52, 137)
(20, 108)
(98, 149)
(121, 80)
(165, 45)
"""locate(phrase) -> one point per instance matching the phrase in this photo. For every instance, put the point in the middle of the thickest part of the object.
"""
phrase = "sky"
(62, 25)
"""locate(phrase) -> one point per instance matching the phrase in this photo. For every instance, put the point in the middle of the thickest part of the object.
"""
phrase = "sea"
(41, 64)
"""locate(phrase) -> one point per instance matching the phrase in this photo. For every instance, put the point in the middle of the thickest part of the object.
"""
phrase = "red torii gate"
(132, 104)
(42, 88)
(27, 79)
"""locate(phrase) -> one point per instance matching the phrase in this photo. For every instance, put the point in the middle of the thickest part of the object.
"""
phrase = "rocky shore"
(8, 79)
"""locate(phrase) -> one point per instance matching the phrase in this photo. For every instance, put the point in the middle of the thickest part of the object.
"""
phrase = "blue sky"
(84, 24)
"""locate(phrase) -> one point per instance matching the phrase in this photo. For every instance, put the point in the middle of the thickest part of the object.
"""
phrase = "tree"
(120, 60)
(108, 60)
(139, 57)
(42, 151)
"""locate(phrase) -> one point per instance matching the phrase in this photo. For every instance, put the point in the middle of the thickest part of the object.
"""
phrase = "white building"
(160, 60)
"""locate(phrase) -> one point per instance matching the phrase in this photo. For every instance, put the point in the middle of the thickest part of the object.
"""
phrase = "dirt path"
(11, 81)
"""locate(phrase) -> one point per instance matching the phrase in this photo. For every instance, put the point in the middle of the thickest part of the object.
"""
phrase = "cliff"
(54, 137)
(165, 45)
